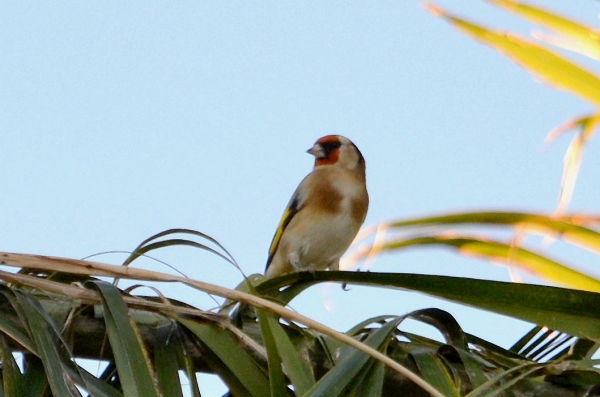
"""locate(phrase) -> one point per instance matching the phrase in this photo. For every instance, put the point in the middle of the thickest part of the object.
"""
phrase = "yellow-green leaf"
(560, 226)
(572, 161)
(583, 39)
(546, 64)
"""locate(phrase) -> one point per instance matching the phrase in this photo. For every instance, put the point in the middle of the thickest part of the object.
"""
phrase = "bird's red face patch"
(330, 146)
(332, 158)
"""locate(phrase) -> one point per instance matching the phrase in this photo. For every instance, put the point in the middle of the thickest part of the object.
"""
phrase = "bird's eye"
(329, 147)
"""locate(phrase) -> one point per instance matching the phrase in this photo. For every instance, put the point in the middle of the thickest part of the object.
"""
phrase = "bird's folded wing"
(292, 209)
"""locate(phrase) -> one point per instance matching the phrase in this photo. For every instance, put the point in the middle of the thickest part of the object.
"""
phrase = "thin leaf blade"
(133, 364)
(538, 60)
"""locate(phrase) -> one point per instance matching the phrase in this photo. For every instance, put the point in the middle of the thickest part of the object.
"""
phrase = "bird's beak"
(316, 151)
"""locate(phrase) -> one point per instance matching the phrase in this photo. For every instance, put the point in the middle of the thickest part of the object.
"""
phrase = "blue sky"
(122, 120)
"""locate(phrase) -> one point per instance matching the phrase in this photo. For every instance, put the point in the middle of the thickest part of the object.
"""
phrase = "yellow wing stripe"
(283, 223)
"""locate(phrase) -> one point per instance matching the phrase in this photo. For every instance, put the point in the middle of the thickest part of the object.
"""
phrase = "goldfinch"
(324, 213)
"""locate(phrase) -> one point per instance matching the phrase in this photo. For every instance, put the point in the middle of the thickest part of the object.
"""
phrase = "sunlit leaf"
(572, 160)
(582, 39)
(559, 226)
(538, 60)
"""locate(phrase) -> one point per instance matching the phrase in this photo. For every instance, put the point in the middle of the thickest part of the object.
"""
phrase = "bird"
(325, 211)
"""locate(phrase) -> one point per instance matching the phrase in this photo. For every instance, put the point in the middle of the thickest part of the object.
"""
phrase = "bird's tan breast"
(339, 191)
